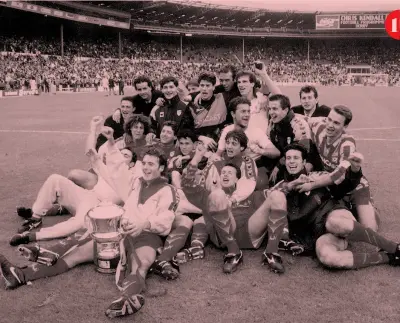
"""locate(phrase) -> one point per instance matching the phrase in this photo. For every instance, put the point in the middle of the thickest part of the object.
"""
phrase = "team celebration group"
(233, 164)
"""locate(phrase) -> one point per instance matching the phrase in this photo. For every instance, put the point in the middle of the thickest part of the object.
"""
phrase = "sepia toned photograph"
(200, 161)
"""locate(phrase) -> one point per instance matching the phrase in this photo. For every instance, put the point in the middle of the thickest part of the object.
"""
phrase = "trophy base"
(107, 266)
(107, 257)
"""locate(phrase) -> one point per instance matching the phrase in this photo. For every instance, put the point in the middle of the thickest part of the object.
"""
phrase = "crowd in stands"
(86, 62)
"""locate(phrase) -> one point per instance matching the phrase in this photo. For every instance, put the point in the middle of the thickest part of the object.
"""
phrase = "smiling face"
(151, 167)
(241, 116)
(276, 112)
(233, 147)
(137, 130)
(169, 90)
(144, 90)
(308, 100)
(186, 146)
(227, 81)
(206, 90)
(228, 176)
(126, 109)
(294, 161)
(335, 124)
(244, 85)
(167, 135)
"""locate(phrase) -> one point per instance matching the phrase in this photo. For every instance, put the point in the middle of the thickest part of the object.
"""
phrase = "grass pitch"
(46, 134)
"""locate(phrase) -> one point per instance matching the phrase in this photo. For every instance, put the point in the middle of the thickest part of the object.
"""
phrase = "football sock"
(223, 227)
(200, 234)
(276, 225)
(133, 284)
(36, 271)
(176, 241)
(363, 234)
(362, 260)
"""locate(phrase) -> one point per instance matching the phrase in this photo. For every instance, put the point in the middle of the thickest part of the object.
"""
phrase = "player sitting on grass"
(229, 223)
(236, 143)
(77, 200)
(149, 212)
(320, 221)
(334, 146)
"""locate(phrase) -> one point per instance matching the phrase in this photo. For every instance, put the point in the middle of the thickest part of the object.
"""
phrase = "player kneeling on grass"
(320, 220)
(334, 146)
(77, 200)
(229, 223)
(149, 212)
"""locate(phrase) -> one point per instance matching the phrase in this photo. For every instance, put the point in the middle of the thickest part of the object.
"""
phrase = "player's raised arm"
(265, 79)
(95, 125)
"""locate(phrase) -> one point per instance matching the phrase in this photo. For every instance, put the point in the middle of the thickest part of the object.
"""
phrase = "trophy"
(103, 221)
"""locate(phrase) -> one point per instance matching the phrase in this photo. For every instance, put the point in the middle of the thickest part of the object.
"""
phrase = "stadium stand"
(88, 54)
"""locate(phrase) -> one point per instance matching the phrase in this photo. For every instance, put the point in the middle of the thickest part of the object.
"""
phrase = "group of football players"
(234, 164)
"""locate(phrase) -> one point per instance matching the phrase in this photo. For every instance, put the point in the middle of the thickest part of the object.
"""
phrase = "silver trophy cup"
(103, 221)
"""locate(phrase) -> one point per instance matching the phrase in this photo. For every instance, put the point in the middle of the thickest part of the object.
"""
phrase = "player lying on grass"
(164, 265)
(149, 212)
(77, 200)
(334, 146)
(319, 219)
(234, 224)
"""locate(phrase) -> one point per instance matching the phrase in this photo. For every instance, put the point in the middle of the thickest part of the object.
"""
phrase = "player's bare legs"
(368, 216)
(342, 226)
(83, 178)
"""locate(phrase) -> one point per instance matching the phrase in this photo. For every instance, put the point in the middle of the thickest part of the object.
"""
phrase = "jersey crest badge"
(161, 114)
(289, 140)
(172, 153)
(179, 112)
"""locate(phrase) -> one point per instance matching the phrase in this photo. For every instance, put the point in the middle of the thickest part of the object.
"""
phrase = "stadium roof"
(305, 5)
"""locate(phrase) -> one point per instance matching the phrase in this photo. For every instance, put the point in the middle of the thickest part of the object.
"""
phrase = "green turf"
(306, 293)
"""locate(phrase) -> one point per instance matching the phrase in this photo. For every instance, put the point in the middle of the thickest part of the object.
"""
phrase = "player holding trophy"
(149, 212)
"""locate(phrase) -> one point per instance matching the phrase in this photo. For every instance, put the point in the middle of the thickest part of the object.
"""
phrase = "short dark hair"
(240, 136)
(171, 124)
(283, 99)
(229, 68)
(251, 75)
(156, 152)
(345, 112)
(308, 89)
(238, 171)
(207, 76)
(142, 79)
(187, 133)
(299, 147)
(127, 98)
(134, 155)
(169, 79)
(137, 118)
(233, 104)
